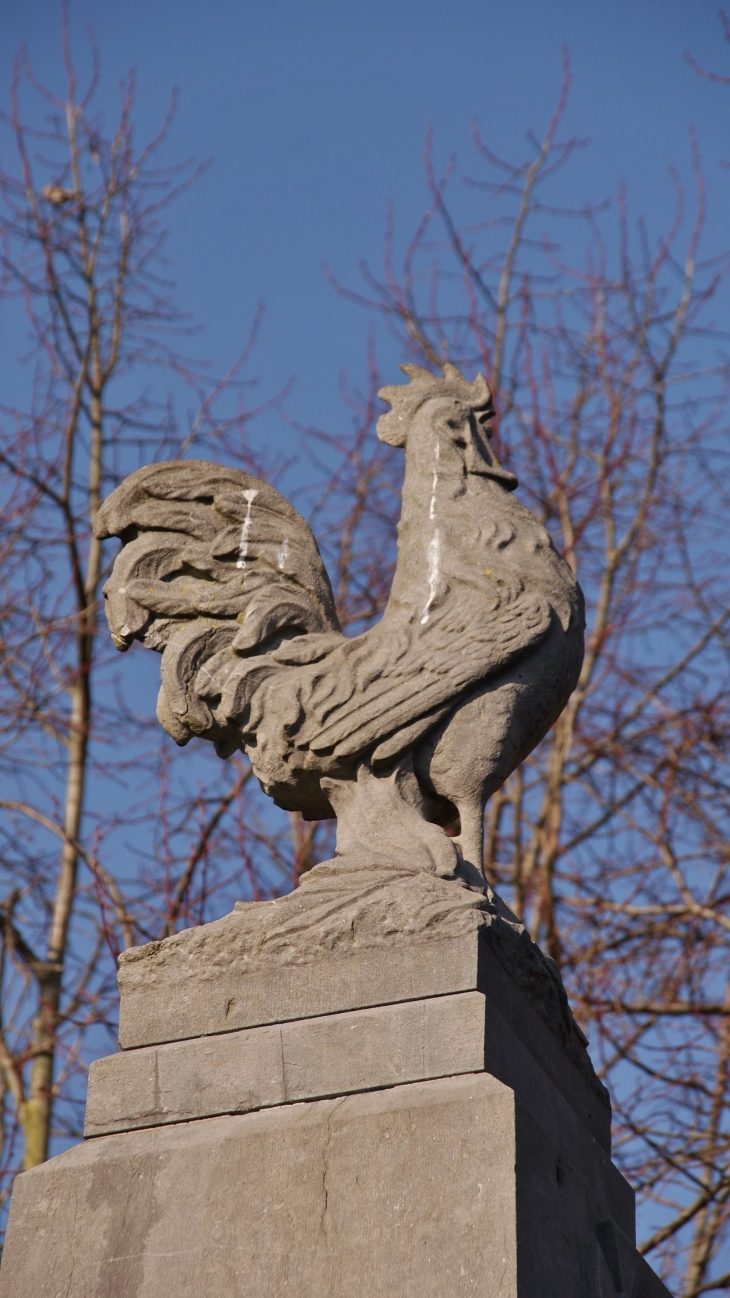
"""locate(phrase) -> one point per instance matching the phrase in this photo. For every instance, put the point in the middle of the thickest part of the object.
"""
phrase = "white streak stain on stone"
(434, 563)
(248, 496)
(432, 507)
(283, 554)
(434, 547)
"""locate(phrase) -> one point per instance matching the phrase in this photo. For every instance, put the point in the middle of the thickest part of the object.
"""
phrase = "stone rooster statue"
(402, 732)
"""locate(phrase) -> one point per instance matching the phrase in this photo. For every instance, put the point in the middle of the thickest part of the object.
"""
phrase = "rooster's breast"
(480, 556)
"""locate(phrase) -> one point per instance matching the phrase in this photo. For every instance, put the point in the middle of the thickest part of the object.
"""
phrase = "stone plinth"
(435, 1188)
(334, 1132)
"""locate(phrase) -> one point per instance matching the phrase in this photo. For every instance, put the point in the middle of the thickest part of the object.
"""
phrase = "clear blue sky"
(315, 113)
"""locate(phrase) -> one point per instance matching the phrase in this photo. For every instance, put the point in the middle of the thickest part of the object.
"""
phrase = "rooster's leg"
(380, 821)
(470, 841)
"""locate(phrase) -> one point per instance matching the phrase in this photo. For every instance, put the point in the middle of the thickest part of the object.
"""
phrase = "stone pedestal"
(365, 1088)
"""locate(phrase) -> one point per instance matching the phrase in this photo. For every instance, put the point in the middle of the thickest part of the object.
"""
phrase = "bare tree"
(110, 836)
(82, 249)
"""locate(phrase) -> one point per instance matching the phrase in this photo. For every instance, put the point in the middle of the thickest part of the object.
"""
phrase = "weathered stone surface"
(324, 949)
(319, 950)
(507, 1059)
(435, 1188)
(340, 1053)
(334, 1055)
(327, 947)
(509, 987)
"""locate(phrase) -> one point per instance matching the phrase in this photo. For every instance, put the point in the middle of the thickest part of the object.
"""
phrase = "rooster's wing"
(390, 685)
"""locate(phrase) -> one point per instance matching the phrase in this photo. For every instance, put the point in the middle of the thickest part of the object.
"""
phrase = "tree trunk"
(37, 1110)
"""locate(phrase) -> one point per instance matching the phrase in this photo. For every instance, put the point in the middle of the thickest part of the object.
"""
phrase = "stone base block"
(335, 945)
(426, 1190)
(338, 1054)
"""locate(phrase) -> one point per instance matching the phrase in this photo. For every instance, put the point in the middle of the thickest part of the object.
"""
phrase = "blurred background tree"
(83, 258)
(610, 842)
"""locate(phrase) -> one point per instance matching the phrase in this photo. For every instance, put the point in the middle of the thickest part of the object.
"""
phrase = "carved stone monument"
(375, 1084)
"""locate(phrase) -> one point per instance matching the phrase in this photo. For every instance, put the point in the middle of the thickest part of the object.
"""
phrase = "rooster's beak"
(480, 458)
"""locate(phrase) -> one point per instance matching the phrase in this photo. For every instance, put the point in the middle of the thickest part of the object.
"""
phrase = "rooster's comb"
(405, 399)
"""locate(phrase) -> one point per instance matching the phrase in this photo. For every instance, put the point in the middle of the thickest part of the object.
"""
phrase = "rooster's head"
(459, 413)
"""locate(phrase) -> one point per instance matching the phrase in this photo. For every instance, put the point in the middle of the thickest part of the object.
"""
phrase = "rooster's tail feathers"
(215, 567)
